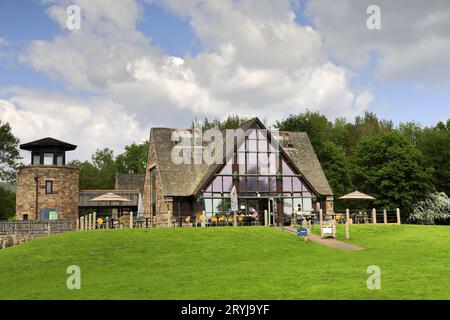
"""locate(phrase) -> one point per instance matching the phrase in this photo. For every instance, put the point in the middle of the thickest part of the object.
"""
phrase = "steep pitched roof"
(130, 181)
(188, 179)
(304, 157)
(177, 179)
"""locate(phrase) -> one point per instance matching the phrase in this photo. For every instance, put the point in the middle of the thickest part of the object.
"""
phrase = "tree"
(435, 209)
(392, 168)
(7, 203)
(134, 159)
(435, 145)
(100, 174)
(233, 121)
(317, 126)
(9, 153)
(336, 166)
(365, 127)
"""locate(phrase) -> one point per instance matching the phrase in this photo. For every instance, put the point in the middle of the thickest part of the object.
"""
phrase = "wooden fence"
(374, 216)
(35, 227)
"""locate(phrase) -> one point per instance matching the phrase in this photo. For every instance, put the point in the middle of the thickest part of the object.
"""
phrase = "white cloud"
(412, 45)
(257, 62)
(34, 115)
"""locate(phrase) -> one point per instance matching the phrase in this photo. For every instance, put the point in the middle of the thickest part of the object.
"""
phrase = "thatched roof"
(188, 179)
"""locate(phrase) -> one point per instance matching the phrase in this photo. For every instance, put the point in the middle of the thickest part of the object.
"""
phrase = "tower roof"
(48, 143)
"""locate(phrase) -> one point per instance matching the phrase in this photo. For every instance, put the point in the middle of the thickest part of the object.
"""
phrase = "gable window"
(48, 187)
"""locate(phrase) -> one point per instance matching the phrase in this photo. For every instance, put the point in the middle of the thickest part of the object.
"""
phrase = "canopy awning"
(357, 196)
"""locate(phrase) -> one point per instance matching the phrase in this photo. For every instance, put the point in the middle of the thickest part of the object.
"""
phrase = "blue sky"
(180, 60)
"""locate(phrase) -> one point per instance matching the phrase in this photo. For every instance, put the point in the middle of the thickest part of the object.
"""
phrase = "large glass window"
(260, 177)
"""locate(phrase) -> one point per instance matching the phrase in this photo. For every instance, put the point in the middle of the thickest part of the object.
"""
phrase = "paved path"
(332, 243)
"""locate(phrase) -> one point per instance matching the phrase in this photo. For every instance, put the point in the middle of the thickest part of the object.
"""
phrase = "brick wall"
(65, 195)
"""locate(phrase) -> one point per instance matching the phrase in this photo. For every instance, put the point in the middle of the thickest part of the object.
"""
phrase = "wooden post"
(78, 224)
(234, 219)
(321, 221)
(347, 223)
(385, 216)
(49, 228)
(82, 223)
(265, 218)
(94, 220)
(398, 216)
(89, 221)
(374, 216)
(131, 219)
(333, 222)
(107, 222)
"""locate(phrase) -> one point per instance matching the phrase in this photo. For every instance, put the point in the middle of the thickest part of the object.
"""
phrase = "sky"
(137, 64)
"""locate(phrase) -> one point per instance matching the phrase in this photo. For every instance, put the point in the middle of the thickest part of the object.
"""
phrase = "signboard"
(302, 232)
(327, 231)
(234, 200)
(53, 215)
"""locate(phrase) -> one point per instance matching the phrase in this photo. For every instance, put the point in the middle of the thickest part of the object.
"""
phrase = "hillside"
(229, 263)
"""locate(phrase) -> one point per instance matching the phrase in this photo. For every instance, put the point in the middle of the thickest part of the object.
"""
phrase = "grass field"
(229, 263)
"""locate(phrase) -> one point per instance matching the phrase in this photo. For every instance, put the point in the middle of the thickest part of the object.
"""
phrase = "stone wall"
(12, 240)
(65, 194)
(164, 205)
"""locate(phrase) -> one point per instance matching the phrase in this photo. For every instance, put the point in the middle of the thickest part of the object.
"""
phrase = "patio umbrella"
(110, 197)
(357, 196)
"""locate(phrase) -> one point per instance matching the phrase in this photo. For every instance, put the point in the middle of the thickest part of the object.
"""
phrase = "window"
(48, 187)
(36, 160)
(59, 160)
(48, 159)
(153, 189)
(25, 217)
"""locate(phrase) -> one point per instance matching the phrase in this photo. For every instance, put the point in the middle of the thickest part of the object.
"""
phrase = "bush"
(435, 209)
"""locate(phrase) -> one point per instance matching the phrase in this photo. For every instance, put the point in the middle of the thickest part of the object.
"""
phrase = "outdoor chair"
(240, 219)
(230, 220)
(221, 220)
(213, 220)
(199, 219)
(187, 220)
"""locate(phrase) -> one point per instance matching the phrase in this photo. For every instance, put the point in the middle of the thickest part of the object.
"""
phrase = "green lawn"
(229, 263)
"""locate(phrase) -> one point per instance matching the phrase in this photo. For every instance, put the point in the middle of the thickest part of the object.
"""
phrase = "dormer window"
(59, 160)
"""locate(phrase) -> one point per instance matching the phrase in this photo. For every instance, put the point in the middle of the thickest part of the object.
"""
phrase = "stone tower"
(47, 189)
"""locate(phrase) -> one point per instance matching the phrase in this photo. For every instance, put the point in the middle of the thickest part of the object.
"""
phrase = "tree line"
(400, 166)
